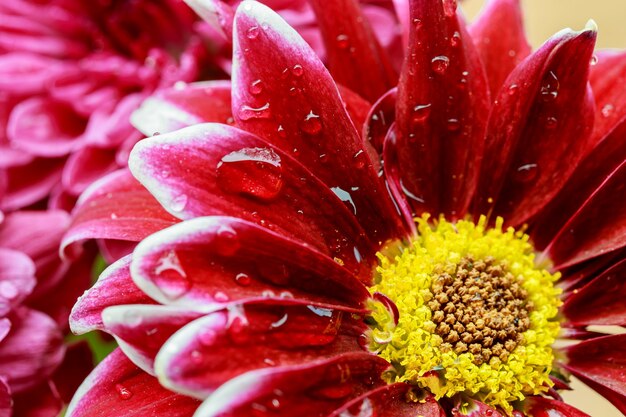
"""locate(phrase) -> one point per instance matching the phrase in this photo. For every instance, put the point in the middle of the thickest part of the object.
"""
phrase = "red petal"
(209, 262)
(172, 109)
(119, 388)
(306, 390)
(141, 330)
(76, 365)
(31, 351)
(601, 360)
(6, 402)
(606, 78)
(86, 166)
(216, 13)
(214, 169)
(545, 99)
(114, 287)
(42, 401)
(545, 407)
(588, 176)
(29, 183)
(45, 127)
(17, 279)
(379, 120)
(299, 110)
(116, 207)
(351, 46)
(259, 337)
(441, 112)
(464, 406)
(390, 401)
(598, 227)
(499, 37)
(601, 301)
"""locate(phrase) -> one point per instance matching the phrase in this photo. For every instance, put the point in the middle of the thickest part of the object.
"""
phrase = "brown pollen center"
(481, 308)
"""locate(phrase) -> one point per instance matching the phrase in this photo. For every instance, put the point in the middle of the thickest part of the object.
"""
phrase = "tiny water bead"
(476, 315)
(440, 64)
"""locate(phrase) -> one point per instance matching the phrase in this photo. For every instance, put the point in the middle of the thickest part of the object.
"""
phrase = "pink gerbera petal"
(118, 387)
(260, 336)
(210, 262)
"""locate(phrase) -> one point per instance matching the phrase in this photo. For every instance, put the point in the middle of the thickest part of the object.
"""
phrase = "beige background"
(544, 18)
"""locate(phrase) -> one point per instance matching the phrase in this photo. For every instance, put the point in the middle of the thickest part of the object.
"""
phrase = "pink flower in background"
(308, 253)
(71, 73)
(36, 292)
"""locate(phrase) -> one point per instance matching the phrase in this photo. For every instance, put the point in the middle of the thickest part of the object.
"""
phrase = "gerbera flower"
(287, 265)
(38, 371)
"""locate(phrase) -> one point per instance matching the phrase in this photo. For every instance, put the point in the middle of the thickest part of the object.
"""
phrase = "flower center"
(477, 316)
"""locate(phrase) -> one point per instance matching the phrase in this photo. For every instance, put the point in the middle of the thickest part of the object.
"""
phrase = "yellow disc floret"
(488, 334)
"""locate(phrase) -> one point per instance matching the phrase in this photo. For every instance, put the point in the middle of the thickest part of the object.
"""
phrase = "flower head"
(319, 255)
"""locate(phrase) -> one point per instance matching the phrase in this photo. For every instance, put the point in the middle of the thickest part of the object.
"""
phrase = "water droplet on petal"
(550, 87)
(207, 337)
(170, 276)
(440, 64)
(221, 297)
(311, 125)
(343, 41)
(253, 32)
(281, 131)
(256, 172)
(297, 70)
(123, 392)
(179, 203)
(455, 40)
(226, 241)
(132, 318)
(243, 279)
(550, 122)
(526, 173)
(593, 60)
(256, 87)
(453, 125)
(607, 110)
(248, 112)
(421, 112)
(513, 89)
(360, 159)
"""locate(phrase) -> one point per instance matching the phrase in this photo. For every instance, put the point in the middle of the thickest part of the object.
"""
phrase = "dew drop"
(123, 392)
(360, 159)
(453, 125)
(220, 297)
(593, 60)
(550, 87)
(255, 172)
(8, 290)
(248, 112)
(132, 318)
(607, 110)
(297, 70)
(207, 337)
(281, 131)
(421, 112)
(280, 322)
(526, 173)
(455, 40)
(550, 122)
(311, 125)
(417, 23)
(243, 279)
(256, 87)
(170, 277)
(440, 64)
(253, 32)
(169, 261)
(513, 89)
(226, 241)
(489, 412)
(179, 203)
(343, 41)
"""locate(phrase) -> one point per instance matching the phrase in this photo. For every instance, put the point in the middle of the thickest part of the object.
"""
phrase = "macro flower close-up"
(382, 211)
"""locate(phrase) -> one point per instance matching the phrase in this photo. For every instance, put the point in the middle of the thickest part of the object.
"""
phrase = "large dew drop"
(311, 125)
(254, 172)
(261, 112)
